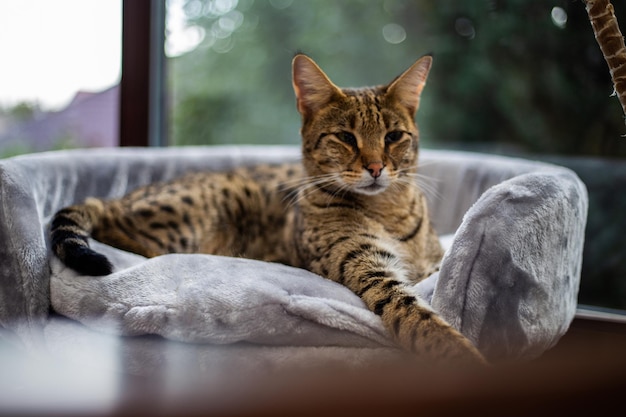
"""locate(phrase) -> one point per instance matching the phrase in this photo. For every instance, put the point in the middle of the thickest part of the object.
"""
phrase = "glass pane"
(515, 77)
(61, 66)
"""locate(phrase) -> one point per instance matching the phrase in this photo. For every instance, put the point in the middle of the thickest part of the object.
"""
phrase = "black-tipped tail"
(86, 261)
(69, 231)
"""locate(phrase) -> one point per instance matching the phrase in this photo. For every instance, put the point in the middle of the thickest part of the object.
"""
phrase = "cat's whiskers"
(305, 186)
(297, 195)
(343, 189)
(425, 182)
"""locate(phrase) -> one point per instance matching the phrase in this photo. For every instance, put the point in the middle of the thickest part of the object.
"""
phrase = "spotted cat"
(351, 211)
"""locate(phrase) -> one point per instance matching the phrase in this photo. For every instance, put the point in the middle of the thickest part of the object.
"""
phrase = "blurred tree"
(246, 55)
(14, 149)
(22, 111)
(523, 75)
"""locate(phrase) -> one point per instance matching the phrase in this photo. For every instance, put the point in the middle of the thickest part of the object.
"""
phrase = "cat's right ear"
(313, 88)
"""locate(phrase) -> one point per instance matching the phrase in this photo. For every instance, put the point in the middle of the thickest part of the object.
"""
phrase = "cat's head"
(359, 140)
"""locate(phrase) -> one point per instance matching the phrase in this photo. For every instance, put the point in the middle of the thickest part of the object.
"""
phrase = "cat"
(351, 211)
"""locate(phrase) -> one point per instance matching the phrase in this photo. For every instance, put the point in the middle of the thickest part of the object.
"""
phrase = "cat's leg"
(376, 274)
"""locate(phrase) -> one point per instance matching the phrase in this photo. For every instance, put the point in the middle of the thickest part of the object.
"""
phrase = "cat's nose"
(375, 169)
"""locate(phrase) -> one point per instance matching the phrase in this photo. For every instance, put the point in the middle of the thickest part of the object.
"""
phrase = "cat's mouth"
(371, 189)
(369, 185)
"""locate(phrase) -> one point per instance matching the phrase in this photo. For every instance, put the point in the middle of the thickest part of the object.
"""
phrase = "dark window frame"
(143, 121)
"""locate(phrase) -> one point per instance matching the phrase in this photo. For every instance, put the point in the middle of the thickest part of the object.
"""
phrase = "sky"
(50, 49)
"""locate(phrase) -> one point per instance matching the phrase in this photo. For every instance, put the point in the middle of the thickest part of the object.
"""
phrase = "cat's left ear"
(407, 88)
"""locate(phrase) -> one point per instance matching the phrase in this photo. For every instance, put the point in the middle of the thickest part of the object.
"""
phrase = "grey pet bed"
(509, 279)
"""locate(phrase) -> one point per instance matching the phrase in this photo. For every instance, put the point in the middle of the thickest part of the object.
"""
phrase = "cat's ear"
(312, 87)
(407, 88)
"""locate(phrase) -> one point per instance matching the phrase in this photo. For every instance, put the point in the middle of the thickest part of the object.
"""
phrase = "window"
(61, 66)
(515, 77)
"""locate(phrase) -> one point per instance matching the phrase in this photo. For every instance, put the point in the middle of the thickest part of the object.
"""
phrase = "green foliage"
(525, 81)
(251, 64)
(67, 140)
(22, 111)
(14, 149)
(199, 119)
(20, 146)
(506, 74)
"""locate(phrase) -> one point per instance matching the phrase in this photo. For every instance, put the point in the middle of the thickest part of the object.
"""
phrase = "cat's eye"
(393, 137)
(347, 138)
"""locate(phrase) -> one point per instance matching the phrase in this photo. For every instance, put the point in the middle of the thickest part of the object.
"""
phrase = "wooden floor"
(584, 374)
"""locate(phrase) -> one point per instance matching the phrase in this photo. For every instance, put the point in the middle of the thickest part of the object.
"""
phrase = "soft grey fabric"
(211, 299)
(509, 281)
(516, 254)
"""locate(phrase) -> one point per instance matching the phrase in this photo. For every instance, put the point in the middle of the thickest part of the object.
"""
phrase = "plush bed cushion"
(509, 281)
(211, 299)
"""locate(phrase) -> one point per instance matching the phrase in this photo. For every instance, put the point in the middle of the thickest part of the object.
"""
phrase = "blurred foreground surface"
(583, 374)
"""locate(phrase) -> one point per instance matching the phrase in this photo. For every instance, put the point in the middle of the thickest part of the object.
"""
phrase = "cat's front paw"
(463, 351)
(430, 337)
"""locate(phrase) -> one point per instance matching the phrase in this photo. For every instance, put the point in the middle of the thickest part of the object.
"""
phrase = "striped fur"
(352, 211)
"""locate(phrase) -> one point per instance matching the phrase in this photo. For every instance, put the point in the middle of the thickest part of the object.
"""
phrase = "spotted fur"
(351, 211)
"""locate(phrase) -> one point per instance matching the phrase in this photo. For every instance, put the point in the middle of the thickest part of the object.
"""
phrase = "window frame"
(143, 119)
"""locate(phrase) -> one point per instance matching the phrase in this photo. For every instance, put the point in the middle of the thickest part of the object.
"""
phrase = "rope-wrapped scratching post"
(611, 41)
